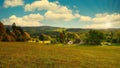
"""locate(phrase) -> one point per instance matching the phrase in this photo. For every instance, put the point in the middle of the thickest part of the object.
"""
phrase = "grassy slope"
(34, 55)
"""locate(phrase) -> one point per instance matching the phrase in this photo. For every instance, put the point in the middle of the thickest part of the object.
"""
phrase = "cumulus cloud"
(13, 3)
(49, 15)
(85, 19)
(103, 18)
(105, 21)
(99, 26)
(54, 10)
(46, 5)
(28, 20)
(57, 12)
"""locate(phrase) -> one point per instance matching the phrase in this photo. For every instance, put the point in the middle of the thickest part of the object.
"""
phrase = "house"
(70, 42)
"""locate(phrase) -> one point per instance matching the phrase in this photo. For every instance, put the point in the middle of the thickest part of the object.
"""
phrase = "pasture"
(36, 55)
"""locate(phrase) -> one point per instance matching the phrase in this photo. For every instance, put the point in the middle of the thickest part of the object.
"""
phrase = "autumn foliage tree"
(1, 30)
(26, 36)
(3, 35)
(17, 33)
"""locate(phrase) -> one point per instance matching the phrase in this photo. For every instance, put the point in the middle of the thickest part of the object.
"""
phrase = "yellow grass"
(36, 55)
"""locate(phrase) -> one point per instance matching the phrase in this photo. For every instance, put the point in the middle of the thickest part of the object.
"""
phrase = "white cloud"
(77, 15)
(57, 12)
(56, 16)
(46, 5)
(28, 20)
(98, 26)
(105, 21)
(54, 10)
(13, 3)
(103, 18)
(85, 19)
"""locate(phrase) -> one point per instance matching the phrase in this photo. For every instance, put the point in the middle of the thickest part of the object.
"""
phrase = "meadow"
(36, 55)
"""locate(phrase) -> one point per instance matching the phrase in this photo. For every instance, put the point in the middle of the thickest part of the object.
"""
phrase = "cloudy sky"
(61, 13)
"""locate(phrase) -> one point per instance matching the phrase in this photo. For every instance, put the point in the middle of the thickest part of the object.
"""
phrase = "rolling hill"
(34, 31)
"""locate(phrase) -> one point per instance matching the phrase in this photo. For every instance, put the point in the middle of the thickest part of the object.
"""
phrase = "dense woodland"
(56, 35)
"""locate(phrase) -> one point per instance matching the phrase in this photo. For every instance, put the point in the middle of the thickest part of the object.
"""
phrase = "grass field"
(35, 55)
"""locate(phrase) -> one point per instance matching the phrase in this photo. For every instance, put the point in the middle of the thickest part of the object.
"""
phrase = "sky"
(61, 13)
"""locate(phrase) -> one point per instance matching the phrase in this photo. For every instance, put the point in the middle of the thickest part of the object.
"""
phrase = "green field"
(35, 55)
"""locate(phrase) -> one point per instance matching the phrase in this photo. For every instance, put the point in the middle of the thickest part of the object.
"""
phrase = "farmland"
(36, 55)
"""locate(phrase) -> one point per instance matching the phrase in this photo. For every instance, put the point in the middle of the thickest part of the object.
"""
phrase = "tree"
(2, 31)
(20, 34)
(16, 35)
(108, 35)
(8, 31)
(95, 37)
(116, 37)
(72, 36)
(82, 36)
(26, 36)
(13, 26)
(6, 38)
(20, 29)
(63, 36)
(42, 37)
(11, 35)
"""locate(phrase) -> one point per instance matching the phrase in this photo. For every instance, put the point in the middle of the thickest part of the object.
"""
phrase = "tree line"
(93, 37)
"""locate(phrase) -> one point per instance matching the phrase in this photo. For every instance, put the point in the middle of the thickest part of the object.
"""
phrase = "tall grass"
(36, 55)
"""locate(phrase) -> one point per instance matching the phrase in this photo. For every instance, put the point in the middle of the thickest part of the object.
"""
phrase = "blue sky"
(61, 13)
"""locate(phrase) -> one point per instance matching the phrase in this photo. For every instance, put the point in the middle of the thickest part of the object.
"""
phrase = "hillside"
(55, 30)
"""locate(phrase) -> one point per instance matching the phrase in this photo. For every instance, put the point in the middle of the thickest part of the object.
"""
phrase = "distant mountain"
(35, 31)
